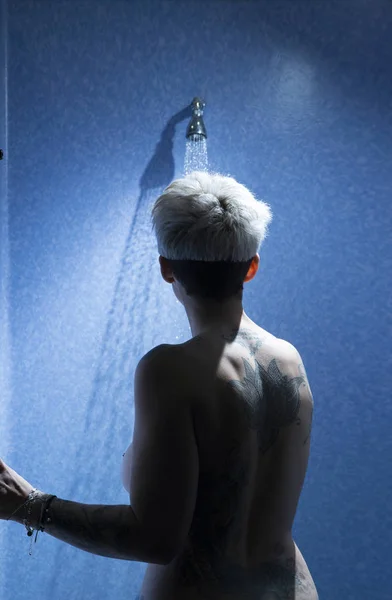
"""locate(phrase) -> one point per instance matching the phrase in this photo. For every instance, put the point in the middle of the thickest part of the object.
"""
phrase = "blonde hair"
(209, 217)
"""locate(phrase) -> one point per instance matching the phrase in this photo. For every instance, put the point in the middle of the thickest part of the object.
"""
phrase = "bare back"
(252, 412)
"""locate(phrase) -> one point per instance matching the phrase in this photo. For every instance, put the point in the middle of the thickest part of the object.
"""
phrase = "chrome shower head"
(196, 129)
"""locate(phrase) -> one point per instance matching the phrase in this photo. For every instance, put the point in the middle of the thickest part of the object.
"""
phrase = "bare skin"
(252, 409)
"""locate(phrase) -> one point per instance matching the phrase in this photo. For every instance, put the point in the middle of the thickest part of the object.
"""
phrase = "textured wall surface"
(298, 108)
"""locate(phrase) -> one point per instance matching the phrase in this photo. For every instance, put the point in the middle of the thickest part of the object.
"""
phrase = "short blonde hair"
(209, 217)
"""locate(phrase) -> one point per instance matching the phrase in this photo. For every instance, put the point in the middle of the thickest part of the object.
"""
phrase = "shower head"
(196, 129)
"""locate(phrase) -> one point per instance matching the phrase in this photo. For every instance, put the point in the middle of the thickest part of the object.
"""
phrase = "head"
(209, 229)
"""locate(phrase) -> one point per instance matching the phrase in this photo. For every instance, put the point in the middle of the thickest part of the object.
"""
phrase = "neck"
(218, 322)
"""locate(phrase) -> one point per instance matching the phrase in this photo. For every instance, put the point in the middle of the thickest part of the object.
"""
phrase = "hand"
(14, 491)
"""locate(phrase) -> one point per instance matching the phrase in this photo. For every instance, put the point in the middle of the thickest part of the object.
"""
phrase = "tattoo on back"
(281, 400)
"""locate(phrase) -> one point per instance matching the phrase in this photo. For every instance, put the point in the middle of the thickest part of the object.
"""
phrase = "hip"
(194, 576)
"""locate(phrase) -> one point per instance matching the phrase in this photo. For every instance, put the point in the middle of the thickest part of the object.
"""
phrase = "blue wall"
(299, 109)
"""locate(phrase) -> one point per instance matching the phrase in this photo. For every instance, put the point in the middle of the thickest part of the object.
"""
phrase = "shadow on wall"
(123, 341)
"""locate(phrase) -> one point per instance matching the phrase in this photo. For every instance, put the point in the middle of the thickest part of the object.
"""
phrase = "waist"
(199, 564)
(195, 575)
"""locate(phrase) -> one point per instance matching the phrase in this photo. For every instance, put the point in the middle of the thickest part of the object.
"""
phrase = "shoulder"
(165, 358)
(161, 380)
(295, 368)
(286, 350)
(156, 354)
(165, 354)
(173, 367)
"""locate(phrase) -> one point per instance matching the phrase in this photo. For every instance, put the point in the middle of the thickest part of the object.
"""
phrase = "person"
(222, 425)
(250, 400)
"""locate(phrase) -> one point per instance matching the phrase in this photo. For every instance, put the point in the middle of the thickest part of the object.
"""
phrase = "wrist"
(31, 512)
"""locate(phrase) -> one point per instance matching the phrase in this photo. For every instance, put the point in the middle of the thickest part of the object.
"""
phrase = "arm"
(163, 478)
(164, 471)
(111, 531)
(295, 370)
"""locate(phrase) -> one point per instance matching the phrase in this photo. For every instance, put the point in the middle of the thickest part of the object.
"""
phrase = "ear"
(166, 271)
(253, 268)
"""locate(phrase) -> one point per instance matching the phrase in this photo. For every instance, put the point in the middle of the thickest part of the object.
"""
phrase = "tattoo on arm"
(301, 369)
